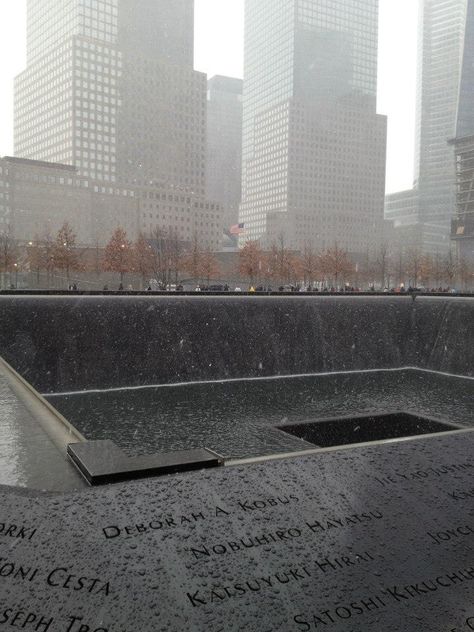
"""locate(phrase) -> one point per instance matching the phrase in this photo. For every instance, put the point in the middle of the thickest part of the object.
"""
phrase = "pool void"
(334, 432)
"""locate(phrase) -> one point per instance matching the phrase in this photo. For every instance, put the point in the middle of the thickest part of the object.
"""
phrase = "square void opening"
(365, 429)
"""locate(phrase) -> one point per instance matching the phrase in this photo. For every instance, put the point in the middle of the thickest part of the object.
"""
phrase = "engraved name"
(374, 602)
(423, 474)
(204, 597)
(162, 523)
(17, 531)
(460, 495)
(61, 578)
(451, 534)
(25, 620)
(284, 535)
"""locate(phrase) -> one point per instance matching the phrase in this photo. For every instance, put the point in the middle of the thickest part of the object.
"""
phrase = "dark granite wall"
(78, 342)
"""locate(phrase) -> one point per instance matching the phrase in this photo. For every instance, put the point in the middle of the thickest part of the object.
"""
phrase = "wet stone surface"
(375, 538)
(28, 457)
(240, 419)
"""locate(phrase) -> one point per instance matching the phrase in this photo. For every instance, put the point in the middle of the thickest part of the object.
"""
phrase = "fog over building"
(224, 145)
(110, 89)
(441, 44)
(314, 148)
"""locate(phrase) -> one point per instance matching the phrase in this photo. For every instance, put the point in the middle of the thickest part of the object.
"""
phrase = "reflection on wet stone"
(322, 546)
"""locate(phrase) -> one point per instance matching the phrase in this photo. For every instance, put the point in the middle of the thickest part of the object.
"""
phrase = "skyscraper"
(110, 88)
(441, 37)
(313, 145)
(463, 224)
(224, 145)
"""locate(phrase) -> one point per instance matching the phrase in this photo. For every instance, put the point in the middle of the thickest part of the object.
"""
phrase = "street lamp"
(15, 265)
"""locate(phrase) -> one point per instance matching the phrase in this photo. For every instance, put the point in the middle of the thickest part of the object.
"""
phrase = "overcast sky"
(219, 50)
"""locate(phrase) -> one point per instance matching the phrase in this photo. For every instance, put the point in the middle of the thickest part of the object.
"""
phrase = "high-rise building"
(463, 224)
(313, 145)
(224, 145)
(110, 89)
(441, 36)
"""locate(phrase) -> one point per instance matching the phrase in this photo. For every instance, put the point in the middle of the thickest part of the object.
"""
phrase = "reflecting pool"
(239, 419)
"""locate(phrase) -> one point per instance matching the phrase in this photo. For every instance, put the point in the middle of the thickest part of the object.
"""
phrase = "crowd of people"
(346, 289)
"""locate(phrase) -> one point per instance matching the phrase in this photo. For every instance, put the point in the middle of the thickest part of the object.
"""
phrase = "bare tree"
(167, 253)
(382, 264)
(118, 253)
(142, 258)
(158, 243)
(8, 253)
(282, 261)
(174, 254)
(466, 273)
(35, 257)
(65, 253)
(335, 262)
(414, 260)
(398, 267)
(437, 269)
(192, 261)
(449, 268)
(251, 261)
(310, 263)
(210, 268)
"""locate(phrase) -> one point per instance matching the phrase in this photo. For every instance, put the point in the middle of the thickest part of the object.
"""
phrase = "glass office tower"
(463, 224)
(441, 45)
(441, 42)
(313, 145)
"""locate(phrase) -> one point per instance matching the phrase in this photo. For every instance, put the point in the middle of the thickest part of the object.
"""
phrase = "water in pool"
(239, 419)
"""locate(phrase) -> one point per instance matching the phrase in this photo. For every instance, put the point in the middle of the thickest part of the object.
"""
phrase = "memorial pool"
(373, 537)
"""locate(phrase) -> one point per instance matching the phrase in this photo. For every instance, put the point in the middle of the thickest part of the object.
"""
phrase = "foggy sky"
(219, 50)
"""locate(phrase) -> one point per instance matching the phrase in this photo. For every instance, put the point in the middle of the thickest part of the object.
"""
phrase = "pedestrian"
(120, 289)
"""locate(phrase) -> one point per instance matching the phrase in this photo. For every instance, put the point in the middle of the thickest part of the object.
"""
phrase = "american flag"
(237, 229)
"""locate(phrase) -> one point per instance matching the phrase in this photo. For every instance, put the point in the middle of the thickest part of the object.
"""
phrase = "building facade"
(313, 145)
(224, 146)
(441, 39)
(37, 198)
(42, 196)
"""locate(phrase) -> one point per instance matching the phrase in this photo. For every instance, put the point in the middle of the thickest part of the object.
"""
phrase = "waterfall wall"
(69, 343)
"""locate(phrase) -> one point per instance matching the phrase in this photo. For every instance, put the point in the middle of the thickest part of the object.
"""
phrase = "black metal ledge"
(102, 462)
